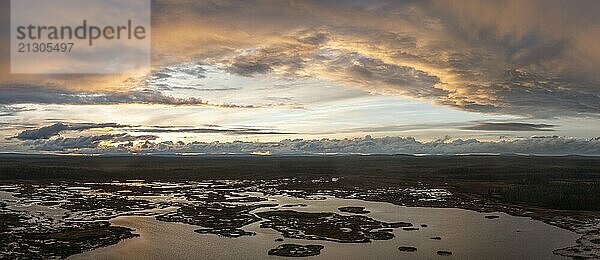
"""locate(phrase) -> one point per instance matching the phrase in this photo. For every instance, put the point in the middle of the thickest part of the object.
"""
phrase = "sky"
(326, 77)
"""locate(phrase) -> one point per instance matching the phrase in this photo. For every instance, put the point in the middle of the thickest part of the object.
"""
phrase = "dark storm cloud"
(491, 126)
(46, 132)
(24, 94)
(245, 68)
(523, 93)
(390, 77)
(55, 129)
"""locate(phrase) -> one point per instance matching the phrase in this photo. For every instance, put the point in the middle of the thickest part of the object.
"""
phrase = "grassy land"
(571, 182)
(567, 196)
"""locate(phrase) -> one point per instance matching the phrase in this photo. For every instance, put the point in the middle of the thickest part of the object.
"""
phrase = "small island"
(354, 210)
(294, 250)
(407, 249)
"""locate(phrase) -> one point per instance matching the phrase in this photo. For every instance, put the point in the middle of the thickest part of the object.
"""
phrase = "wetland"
(336, 214)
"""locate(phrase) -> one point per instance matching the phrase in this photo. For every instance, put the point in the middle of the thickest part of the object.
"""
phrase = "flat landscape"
(65, 206)
(322, 130)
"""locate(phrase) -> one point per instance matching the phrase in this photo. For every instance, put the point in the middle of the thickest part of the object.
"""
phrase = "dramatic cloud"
(375, 73)
(504, 60)
(246, 68)
(211, 129)
(532, 58)
(12, 110)
(367, 145)
(55, 129)
(536, 58)
(307, 53)
(47, 132)
(523, 93)
(95, 141)
(470, 85)
(490, 126)
(24, 94)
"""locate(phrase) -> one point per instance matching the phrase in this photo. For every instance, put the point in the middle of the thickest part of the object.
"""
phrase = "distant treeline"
(527, 169)
(521, 174)
(565, 196)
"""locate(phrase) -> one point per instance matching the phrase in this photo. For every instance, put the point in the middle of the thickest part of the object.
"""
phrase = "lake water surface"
(467, 234)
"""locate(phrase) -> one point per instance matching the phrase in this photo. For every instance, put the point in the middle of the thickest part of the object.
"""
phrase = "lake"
(467, 234)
